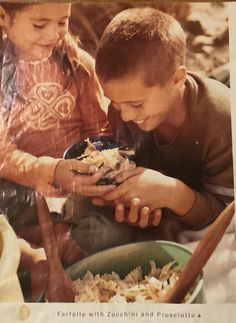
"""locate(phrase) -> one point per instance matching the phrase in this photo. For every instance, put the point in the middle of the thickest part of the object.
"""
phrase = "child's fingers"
(99, 201)
(81, 166)
(120, 212)
(134, 210)
(156, 217)
(116, 194)
(144, 217)
(91, 179)
(87, 176)
(126, 174)
(96, 190)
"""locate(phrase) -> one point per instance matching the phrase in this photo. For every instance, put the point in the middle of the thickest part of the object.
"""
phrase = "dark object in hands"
(103, 151)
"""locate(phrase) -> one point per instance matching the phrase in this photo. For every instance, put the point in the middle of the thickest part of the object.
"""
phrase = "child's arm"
(49, 176)
(156, 190)
(24, 168)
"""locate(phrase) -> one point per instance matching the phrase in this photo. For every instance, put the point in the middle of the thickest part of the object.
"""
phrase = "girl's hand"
(137, 215)
(151, 187)
(67, 180)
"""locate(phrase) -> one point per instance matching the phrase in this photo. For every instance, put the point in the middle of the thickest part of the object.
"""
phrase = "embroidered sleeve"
(24, 168)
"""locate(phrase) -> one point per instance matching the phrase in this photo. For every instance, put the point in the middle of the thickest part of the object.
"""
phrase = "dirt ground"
(206, 26)
(210, 48)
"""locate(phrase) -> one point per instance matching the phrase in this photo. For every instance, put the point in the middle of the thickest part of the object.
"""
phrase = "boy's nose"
(127, 115)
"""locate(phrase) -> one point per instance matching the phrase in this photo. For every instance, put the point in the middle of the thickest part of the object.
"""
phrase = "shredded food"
(110, 288)
(111, 159)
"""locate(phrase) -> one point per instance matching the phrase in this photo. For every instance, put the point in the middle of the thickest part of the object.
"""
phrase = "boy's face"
(148, 107)
(36, 30)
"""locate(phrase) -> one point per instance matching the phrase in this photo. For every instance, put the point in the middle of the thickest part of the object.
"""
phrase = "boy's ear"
(3, 16)
(179, 76)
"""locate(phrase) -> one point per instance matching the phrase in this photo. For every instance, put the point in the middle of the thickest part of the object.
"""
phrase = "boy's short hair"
(142, 40)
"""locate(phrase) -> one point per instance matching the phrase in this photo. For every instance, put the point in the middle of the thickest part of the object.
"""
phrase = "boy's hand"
(137, 215)
(134, 215)
(66, 179)
(154, 189)
(151, 187)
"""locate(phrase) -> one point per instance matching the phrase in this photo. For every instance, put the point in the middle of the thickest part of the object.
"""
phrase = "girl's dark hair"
(142, 40)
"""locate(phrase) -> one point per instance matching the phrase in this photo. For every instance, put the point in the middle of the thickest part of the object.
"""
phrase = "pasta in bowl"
(136, 272)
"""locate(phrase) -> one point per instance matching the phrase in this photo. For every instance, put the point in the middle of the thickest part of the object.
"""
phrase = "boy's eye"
(136, 105)
(63, 23)
(39, 26)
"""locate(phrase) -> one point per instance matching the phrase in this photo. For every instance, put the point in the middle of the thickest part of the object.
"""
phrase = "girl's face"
(36, 29)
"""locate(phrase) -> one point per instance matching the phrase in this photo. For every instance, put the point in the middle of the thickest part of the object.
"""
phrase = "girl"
(50, 98)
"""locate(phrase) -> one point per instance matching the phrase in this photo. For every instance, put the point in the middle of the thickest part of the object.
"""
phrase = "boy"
(179, 121)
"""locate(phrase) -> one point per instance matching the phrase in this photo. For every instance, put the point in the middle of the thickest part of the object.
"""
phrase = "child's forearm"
(21, 167)
(28, 170)
(181, 198)
(196, 209)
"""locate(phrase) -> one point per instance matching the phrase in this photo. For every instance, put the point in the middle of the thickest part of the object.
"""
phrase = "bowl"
(124, 259)
(100, 142)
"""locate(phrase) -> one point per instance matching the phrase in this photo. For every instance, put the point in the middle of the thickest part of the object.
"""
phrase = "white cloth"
(219, 273)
